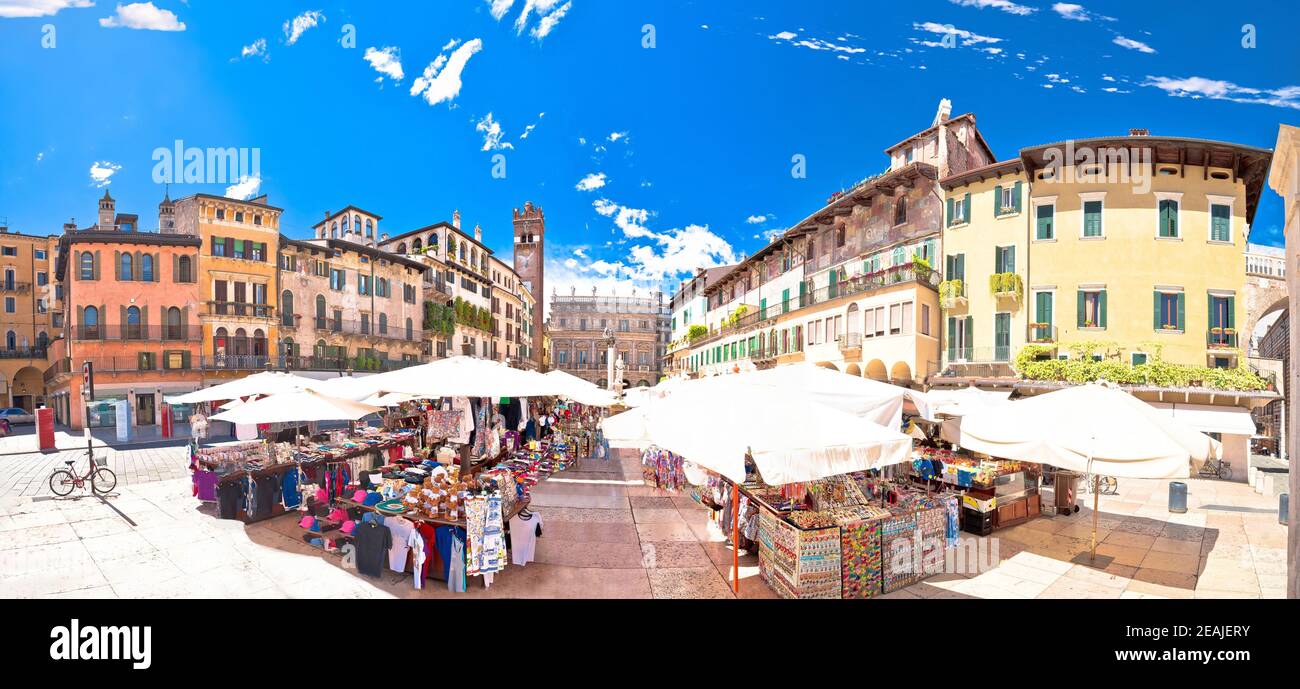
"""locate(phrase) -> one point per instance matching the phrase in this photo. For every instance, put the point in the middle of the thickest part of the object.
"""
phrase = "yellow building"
(1121, 250)
(26, 316)
(238, 264)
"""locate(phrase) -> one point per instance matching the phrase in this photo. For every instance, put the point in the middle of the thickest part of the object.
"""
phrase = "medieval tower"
(530, 260)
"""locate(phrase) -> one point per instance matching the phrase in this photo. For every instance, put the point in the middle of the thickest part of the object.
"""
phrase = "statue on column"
(618, 377)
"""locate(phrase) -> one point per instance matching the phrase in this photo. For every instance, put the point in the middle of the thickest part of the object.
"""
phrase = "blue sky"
(694, 136)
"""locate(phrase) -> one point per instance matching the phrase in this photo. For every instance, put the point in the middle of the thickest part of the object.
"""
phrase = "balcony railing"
(243, 309)
(1042, 333)
(341, 363)
(978, 355)
(146, 333)
(124, 364)
(8, 286)
(23, 353)
(60, 367)
(856, 285)
(1221, 338)
(391, 331)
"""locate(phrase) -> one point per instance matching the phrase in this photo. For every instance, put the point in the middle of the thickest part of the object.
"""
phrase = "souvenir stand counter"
(997, 493)
(247, 481)
(850, 536)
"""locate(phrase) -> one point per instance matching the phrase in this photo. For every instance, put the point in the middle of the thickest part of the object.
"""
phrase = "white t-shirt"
(401, 529)
(523, 538)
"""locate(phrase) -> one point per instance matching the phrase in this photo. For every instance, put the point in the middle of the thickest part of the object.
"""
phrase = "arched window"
(146, 268)
(900, 211)
(42, 340)
(240, 342)
(410, 333)
(90, 323)
(286, 308)
(126, 268)
(174, 324)
(87, 266)
(287, 351)
(11, 342)
(133, 323)
(345, 224)
(320, 348)
(259, 343)
(356, 224)
(320, 312)
(370, 228)
(401, 248)
(186, 269)
(383, 324)
(334, 230)
(416, 246)
(220, 342)
(853, 324)
(433, 240)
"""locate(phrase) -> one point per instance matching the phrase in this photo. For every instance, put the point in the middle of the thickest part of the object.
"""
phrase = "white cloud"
(1004, 5)
(491, 131)
(450, 44)
(38, 8)
(968, 37)
(529, 129)
(544, 27)
(246, 188)
(255, 49)
(615, 136)
(756, 219)
(570, 263)
(40, 156)
(101, 173)
(499, 8)
(671, 253)
(1200, 87)
(142, 15)
(591, 182)
(296, 27)
(1107, 77)
(1078, 13)
(1133, 45)
(818, 44)
(387, 61)
(441, 78)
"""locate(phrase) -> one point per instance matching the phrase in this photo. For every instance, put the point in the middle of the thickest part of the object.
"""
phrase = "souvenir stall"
(996, 493)
(249, 481)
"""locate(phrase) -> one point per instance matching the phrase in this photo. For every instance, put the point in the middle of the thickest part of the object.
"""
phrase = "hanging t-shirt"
(230, 498)
(401, 529)
(523, 537)
(415, 541)
(373, 541)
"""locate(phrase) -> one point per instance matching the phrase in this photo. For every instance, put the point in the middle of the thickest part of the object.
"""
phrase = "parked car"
(17, 415)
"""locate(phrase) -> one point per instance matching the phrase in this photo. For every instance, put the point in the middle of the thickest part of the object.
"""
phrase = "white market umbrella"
(872, 399)
(391, 399)
(263, 383)
(297, 407)
(963, 401)
(627, 429)
(355, 388)
(577, 389)
(1094, 428)
(231, 404)
(462, 376)
(790, 436)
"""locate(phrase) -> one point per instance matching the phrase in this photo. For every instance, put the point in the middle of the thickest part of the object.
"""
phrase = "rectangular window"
(10, 305)
(1169, 311)
(1041, 329)
(895, 319)
(338, 279)
(1004, 259)
(925, 319)
(1002, 337)
(1220, 223)
(40, 254)
(10, 251)
(869, 330)
(1044, 222)
(1092, 218)
(907, 317)
(238, 248)
(219, 246)
(1137, 358)
(363, 284)
(1168, 218)
(1091, 309)
(257, 250)
(42, 279)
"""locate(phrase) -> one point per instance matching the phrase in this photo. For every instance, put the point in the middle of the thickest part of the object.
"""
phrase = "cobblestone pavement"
(25, 472)
(608, 536)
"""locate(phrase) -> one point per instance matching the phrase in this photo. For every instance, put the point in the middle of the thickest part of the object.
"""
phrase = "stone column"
(1284, 178)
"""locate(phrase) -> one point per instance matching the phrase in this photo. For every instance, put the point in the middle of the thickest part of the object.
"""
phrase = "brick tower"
(530, 260)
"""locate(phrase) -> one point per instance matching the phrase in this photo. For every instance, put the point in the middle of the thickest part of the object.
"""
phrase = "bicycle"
(1216, 467)
(1106, 485)
(102, 479)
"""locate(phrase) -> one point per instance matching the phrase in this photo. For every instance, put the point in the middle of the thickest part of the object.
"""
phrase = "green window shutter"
(952, 338)
(1080, 316)
(970, 337)
(1101, 308)
(948, 264)
(1182, 312)
(1155, 312)
(1045, 214)
(997, 259)
(803, 291)
(185, 360)
(965, 209)
(1010, 261)
(961, 272)
(1092, 218)
(785, 300)
(1220, 222)
(1209, 311)
(1015, 193)
(1232, 312)
(950, 206)
(997, 200)
(762, 309)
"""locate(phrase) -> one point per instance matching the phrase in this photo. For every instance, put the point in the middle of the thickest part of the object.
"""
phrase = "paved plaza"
(608, 536)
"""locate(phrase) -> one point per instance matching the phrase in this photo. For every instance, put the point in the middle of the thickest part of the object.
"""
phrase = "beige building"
(30, 317)
(579, 345)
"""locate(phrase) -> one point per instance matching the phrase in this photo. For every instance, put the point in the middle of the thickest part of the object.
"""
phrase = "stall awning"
(1210, 419)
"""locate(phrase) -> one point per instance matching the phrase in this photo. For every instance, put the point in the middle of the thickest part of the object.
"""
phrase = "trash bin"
(1066, 485)
(1177, 497)
(1283, 508)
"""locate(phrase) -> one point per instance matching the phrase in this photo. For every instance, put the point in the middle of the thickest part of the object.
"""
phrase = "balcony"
(11, 287)
(860, 284)
(144, 333)
(952, 294)
(341, 363)
(1221, 338)
(123, 364)
(60, 368)
(1042, 333)
(240, 309)
(982, 362)
(849, 341)
(367, 329)
(23, 353)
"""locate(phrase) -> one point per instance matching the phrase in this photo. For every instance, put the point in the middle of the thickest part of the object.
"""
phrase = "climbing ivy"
(1031, 365)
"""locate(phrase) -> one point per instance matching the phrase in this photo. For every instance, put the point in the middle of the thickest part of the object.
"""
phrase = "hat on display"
(349, 526)
(372, 498)
(307, 522)
(359, 496)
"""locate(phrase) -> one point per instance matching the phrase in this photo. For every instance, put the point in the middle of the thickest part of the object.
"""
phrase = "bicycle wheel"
(62, 482)
(1225, 472)
(103, 481)
(1109, 485)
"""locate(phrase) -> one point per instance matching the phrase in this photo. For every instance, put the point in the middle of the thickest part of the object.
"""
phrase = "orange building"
(131, 299)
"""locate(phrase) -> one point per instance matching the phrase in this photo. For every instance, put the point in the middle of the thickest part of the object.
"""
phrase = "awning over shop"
(1210, 419)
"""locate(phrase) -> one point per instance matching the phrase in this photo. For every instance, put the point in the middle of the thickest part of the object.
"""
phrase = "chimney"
(70, 225)
(455, 218)
(1139, 132)
(383, 237)
(942, 114)
(478, 233)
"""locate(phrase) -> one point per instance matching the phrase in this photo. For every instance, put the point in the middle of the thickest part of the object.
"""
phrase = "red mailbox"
(45, 428)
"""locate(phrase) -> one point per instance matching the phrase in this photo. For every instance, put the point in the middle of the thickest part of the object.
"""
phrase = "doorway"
(144, 409)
